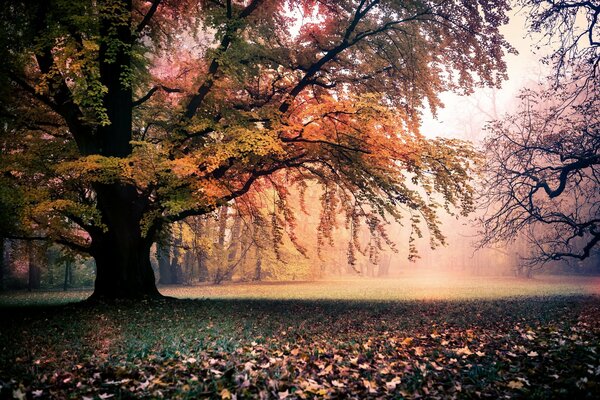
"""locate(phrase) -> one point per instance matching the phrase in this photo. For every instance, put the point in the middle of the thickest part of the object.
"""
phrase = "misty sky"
(462, 116)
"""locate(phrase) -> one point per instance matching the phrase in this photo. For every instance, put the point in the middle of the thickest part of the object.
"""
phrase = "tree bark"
(122, 253)
(234, 247)
(200, 229)
(123, 270)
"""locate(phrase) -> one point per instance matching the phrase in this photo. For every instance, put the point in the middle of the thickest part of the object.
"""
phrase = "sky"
(465, 116)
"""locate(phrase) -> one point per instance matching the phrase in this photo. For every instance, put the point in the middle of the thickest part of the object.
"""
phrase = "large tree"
(124, 115)
(542, 179)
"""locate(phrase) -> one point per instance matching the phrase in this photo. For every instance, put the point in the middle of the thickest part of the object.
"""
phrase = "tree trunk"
(384, 265)
(123, 270)
(188, 268)
(176, 270)
(2, 262)
(33, 281)
(221, 259)
(163, 254)
(122, 253)
(68, 275)
(234, 247)
(199, 228)
(258, 275)
(203, 273)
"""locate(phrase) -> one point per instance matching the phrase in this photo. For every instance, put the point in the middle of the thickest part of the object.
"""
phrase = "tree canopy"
(123, 116)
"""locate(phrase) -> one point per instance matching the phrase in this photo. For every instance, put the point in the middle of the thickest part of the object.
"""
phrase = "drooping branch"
(63, 241)
(252, 177)
(327, 143)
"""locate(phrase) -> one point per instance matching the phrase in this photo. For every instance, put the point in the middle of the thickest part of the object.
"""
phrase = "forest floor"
(369, 338)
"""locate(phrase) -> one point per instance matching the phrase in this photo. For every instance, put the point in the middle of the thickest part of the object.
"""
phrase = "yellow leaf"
(515, 385)
(463, 351)
(225, 394)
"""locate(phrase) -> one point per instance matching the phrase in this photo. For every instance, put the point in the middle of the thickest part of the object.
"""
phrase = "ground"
(404, 338)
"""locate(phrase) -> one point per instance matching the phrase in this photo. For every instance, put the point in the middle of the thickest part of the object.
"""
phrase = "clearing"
(363, 338)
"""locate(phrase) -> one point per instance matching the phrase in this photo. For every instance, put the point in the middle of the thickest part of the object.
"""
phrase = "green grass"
(469, 338)
(404, 288)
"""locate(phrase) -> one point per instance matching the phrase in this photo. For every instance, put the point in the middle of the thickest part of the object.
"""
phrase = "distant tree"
(542, 176)
(542, 179)
(124, 116)
(166, 275)
(2, 262)
(34, 272)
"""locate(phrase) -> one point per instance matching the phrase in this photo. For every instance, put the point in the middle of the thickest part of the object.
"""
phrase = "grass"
(404, 288)
(464, 338)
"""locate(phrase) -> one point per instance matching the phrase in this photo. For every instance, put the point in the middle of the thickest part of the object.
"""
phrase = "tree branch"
(148, 95)
(205, 88)
(147, 17)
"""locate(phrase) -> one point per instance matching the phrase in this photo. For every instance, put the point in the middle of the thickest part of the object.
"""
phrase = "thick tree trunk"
(122, 253)
(123, 270)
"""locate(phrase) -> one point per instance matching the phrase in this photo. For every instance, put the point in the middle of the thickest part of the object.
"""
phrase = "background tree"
(542, 176)
(542, 179)
(125, 115)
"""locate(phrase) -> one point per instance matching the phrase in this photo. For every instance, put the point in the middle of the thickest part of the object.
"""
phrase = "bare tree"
(542, 177)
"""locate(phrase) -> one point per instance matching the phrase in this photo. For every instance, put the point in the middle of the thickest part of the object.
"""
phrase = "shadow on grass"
(472, 341)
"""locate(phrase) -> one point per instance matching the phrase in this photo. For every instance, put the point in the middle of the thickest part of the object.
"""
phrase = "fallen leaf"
(515, 384)
(225, 394)
(391, 385)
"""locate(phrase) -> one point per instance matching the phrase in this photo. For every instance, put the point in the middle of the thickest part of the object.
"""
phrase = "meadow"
(411, 337)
